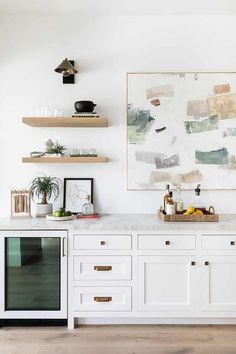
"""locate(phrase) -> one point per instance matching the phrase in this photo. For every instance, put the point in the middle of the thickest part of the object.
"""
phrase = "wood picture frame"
(20, 204)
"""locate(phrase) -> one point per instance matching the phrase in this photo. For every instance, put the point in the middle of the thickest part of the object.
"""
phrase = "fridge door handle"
(64, 247)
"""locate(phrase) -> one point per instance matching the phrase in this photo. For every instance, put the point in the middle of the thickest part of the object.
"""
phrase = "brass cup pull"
(232, 243)
(167, 243)
(206, 263)
(193, 263)
(102, 243)
(102, 268)
(102, 298)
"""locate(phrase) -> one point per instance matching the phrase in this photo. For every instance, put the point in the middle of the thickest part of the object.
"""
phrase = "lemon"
(186, 213)
(199, 212)
(190, 210)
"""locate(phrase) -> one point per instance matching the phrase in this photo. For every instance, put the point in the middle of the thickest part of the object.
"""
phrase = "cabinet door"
(166, 283)
(219, 283)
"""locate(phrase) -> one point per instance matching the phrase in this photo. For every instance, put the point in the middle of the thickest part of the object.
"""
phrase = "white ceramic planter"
(41, 210)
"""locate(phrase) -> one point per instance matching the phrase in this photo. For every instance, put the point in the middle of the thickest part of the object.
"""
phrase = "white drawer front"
(102, 298)
(102, 242)
(219, 242)
(166, 242)
(102, 267)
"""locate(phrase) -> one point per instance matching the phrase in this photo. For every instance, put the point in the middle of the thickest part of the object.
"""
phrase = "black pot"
(84, 106)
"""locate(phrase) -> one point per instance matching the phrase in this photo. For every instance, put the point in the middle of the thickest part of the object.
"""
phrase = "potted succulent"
(44, 187)
(54, 149)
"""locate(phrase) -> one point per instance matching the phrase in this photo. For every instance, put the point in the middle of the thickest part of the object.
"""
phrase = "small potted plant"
(44, 187)
(54, 149)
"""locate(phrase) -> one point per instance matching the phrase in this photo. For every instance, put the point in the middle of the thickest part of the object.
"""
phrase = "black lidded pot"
(84, 106)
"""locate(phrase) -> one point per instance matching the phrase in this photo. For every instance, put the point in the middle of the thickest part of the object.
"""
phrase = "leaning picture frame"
(20, 203)
(75, 192)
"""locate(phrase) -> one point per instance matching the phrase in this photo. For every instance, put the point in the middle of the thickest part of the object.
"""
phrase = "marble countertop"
(121, 222)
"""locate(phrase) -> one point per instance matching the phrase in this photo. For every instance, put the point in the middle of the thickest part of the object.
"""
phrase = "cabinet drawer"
(102, 242)
(102, 298)
(166, 242)
(219, 242)
(102, 267)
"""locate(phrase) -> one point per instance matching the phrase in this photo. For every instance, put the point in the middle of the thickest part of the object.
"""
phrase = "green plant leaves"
(46, 187)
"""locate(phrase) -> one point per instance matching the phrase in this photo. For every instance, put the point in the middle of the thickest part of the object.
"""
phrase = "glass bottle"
(166, 196)
(87, 208)
(170, 205)
(179, 204)
(198, 204)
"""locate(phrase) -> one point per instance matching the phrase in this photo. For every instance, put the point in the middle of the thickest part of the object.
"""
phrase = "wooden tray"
(208, 216)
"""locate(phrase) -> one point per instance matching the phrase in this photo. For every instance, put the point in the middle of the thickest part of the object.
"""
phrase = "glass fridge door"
(32, 273)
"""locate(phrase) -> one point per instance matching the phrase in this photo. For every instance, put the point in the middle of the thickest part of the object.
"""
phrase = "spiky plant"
(45, 187)
(54, 148)
(59, 149)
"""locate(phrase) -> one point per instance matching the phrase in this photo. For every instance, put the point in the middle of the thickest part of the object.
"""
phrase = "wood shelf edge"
(67, 159)
(65, 122)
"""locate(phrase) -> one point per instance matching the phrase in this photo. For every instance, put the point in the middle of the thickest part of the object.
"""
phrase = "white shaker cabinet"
(134, 269)
(219, 283)
(165, 277)
(166, 283)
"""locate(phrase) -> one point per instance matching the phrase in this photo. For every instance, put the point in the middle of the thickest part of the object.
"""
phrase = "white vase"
(41, 210)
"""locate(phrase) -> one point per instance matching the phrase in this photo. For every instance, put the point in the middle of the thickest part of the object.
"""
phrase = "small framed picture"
(75, 192)
(20, 203)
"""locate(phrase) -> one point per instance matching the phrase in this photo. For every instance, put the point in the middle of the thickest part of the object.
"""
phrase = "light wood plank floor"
(128, 339)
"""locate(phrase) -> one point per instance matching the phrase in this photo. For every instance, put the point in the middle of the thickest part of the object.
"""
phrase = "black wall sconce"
(68, 71)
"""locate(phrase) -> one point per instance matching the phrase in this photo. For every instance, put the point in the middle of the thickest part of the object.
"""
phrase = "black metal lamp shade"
(67, 69)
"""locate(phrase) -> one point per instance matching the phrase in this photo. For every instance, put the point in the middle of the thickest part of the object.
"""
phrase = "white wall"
(105, 48)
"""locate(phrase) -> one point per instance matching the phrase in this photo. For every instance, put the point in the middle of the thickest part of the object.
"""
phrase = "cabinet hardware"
(167, 243)
(63, 247)
(232, 243)
(193, 263)
(102, 243)
(206, 263)
(102, 268)
(102, 298)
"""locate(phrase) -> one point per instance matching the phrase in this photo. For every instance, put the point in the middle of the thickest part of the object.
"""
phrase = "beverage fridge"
(33, 275)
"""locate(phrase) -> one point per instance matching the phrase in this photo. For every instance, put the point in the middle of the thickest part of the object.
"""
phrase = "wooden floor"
(119, 340)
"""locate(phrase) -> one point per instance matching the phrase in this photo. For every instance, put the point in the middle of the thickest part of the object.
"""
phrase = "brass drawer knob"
(193, 263)
(232, 243)
(102, 298)
(206, 263)
(102, 243)
(167, 243)
(102, 268)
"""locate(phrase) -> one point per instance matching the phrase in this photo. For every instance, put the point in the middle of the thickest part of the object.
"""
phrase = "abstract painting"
(181, 130)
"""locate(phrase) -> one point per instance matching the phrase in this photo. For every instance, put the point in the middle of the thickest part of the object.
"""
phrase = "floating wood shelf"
(65, 122)
(64, 159)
